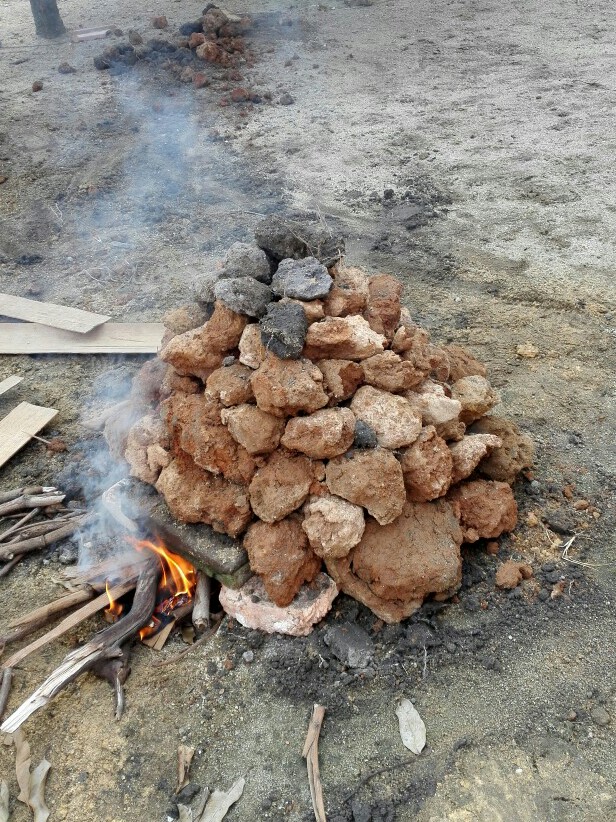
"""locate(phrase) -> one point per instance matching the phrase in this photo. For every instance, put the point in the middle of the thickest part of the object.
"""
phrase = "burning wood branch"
(105, 645)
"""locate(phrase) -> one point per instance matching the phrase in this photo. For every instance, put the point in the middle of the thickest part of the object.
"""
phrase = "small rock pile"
(217, 38)
(296, 406)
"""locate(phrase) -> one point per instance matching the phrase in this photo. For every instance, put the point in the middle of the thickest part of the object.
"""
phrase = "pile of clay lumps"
(296, 406)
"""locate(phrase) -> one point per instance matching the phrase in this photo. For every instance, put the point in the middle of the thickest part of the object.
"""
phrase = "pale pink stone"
(309, 606)
(393, 419)
(252, 350)
(468, 453)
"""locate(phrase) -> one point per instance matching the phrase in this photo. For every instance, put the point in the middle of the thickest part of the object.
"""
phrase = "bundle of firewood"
(35, 518)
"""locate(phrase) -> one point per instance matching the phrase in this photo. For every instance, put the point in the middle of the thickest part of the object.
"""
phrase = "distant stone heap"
(310, 417)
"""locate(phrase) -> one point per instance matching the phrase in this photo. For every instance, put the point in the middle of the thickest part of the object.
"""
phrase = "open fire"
(176, 587)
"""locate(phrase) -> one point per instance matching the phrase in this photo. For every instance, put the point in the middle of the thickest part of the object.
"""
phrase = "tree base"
(47, 20)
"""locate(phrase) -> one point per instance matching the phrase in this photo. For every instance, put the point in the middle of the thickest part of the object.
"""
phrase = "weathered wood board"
(58, 316)
(17, 428)
(8, 383)
(110, 338)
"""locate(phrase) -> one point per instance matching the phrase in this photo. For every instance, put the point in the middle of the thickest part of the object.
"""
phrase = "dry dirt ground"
(469, 148)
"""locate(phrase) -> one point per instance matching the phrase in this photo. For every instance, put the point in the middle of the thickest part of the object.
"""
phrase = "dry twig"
(30, 501)
(69, 622)
(201, 608)
(201, 641)
(26, 518)
(4, 801)
(5, 688)
(26, 546)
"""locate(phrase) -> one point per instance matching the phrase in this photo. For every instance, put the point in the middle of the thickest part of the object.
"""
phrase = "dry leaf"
(412, 728)
(4, 801)
(185, 755)
(186, 815)
(220, 802)
(22, 765)
(37, 791)
(31, 785)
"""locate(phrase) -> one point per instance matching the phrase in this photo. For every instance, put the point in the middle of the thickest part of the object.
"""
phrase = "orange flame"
(178, 581)
(114, 610)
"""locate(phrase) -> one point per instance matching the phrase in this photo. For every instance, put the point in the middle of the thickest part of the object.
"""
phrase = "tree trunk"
(47, 18)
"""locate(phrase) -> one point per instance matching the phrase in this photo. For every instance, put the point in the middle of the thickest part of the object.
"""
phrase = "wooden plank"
(111, 338)
(17, 428)
(8, 383)
(58, 316)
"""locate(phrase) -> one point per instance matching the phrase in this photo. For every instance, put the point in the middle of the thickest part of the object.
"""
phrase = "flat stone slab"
(218, 555)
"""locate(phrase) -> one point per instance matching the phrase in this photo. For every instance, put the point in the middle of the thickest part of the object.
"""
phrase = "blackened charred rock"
(244, 260)
(365, 436)
(28, 259)
(283, 330)
(244, 295)
(203, 286)
(120, 55)
(350, 644)
(164, 46)
(186, 29)
(559, 522)
(187, 794)
(305, 279)
(298, 237)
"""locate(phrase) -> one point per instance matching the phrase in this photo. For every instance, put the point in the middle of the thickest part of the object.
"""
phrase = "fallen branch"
(116, 671)
(28, 623)
(26, 518)
(30, 501)
(364, 781)
(10, 565)
(25, 531)
(53, 607)
(7, 496)
(125, 566)
(311, 755)
(69, 622)
(104, 645)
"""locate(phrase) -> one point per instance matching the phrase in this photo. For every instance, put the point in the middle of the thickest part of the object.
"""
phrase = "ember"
(114, 611)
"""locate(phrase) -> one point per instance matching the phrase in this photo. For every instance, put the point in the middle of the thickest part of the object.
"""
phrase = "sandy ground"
(493, 127)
